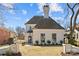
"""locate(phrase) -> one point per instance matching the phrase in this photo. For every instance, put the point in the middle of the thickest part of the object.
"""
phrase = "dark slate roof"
(44, 23)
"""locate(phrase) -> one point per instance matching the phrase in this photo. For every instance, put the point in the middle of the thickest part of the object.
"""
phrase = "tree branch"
(71, 16)
(75, 5)
(77, 13)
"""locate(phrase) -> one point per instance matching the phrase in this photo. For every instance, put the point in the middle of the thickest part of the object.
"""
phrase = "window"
(42, 36)
(29, 39)
(54, 37)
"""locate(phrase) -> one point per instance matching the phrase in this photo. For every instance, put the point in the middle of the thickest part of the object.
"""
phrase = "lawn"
(40, 51)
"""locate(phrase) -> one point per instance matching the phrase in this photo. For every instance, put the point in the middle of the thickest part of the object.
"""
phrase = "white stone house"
(76, 33)
(43, 28)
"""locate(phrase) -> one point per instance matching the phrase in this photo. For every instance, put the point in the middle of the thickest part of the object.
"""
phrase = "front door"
(30, 39)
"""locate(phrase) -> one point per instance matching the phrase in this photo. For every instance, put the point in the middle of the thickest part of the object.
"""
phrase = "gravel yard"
(28, 50)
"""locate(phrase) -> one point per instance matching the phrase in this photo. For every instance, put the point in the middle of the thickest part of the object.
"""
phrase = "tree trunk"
(77, 13)
(71, 28)
(71, 21)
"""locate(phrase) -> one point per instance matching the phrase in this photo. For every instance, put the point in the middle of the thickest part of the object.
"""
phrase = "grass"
(41, 51)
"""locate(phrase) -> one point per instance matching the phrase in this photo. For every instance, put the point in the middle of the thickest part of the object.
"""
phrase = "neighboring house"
(76, 33)
(43, 29)
(4, 36)
(12, 34)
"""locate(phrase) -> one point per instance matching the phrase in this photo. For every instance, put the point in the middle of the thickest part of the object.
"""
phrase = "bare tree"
(20, 32)
(75, 18)
(71, 18)
(2, 21)
(3, 8)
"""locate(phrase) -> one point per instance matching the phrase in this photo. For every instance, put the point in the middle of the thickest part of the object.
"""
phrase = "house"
(76, 33)
(42, 29)
(12, 34)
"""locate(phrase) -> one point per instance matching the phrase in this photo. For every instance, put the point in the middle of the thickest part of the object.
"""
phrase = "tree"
(71, 18)
(48, 41)
(2, 21)
(75, 18)
(20, 32)
(3, 7)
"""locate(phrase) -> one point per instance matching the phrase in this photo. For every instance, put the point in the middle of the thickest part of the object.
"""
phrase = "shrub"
(61, 41)
(37, 42)
(23, 43)
(10, 41)
(42, 42)
(12, 54)
(48, 41)
(71, 41)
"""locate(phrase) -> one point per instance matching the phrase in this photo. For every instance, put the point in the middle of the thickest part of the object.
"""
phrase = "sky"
(18, 14)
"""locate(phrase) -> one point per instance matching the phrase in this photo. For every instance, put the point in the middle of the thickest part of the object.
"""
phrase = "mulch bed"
(70, 54)
(12, 54)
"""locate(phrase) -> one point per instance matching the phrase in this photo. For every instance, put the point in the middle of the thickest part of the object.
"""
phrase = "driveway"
(29, 50)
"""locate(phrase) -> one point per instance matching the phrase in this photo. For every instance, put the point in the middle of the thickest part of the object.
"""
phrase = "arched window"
(30, 39)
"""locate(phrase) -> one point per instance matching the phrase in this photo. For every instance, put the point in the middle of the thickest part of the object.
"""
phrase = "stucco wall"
(10, 48)
(70, 48)
(48, 34)
(28, 26)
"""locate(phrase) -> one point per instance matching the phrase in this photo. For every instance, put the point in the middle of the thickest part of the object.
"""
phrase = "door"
(30, 39)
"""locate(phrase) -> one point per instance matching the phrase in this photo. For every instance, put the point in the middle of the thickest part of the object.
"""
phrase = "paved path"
(28, 50)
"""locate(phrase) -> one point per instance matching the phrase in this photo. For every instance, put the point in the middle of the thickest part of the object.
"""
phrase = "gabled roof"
(44, 23)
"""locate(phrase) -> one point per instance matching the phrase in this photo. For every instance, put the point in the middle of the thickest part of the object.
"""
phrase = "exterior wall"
(28, 25)
(26, 37)
(76, 34)
(48, 34)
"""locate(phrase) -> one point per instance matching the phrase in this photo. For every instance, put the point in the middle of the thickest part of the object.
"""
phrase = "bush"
(48, 42)
(23, 43)
(61, 42)
(37, 42)
(42, 42)
(13, 54)
(71, 41)
(10, 41)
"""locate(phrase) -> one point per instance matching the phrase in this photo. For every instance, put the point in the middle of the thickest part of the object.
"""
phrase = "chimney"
(46, 11)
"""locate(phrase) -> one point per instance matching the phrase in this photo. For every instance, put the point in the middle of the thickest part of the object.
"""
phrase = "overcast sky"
(18, 14)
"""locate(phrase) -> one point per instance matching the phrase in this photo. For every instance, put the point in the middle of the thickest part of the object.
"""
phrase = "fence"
(4, 49)
(11, 48)
(70, 48)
